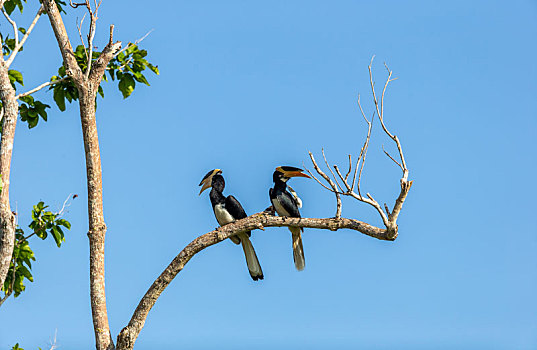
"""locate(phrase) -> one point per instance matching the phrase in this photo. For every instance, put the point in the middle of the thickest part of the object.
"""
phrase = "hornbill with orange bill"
(286, 203)
(228, 209)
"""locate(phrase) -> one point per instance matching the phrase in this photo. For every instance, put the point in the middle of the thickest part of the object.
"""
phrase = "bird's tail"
(298, 249)
(251, 258)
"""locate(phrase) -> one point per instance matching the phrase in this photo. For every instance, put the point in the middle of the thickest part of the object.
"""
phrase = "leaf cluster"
(8, 45)
(44, 224)
(127, 67)
(30, 110)
(11, 5)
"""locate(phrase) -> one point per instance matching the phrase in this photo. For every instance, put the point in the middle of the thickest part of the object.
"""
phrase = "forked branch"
(128, 335)
(389, 218)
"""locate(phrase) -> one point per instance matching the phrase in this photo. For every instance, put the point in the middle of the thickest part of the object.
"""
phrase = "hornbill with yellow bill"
(286, 203)
(228, 209)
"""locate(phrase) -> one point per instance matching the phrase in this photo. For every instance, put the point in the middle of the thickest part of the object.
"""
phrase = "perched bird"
(228, 209)
(286, 203)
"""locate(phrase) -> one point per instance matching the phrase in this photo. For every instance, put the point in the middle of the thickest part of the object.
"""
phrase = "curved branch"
(128, 335)
(44, 85)
(18, 44)
(334, 185)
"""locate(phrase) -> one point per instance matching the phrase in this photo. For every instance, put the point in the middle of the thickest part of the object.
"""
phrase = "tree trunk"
(97, 227)
(7, 219)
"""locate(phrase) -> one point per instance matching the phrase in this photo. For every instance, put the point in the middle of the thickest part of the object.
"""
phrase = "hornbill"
(286, 203)
(228, 209)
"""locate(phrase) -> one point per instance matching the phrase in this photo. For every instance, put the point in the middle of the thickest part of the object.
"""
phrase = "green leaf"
(126, 85)
(61, 71)
(64, 223)
(9, 6)
(25, 272)
(58, 235)
(153, 68)
(59, 98)
(15, 76)
(141, 78)
(16, 347)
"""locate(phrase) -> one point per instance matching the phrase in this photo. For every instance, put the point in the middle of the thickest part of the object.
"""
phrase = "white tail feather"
(298, 249)
(251, 258)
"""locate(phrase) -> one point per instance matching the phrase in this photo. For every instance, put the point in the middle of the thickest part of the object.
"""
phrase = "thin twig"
(387, 210)
(18, 45)
(75, 5)
(26, 238)
(349, 190)
(53, 345)
(330, 182)
(396, 162)
(380, 113)
(135, 43)
(91, 35)
(79, 27)
(15, 28)
(48, 83)
(316, 179)
(66, 204)
(338, 186)
(350, 168)
(363, 152)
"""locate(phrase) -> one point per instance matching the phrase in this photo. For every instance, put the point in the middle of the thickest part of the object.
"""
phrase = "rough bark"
(97, 227)
(87, 90)
(129, 334)
(7, 219)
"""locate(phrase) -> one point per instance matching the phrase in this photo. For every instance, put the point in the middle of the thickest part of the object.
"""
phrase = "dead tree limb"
(389, 218)
(129, 334)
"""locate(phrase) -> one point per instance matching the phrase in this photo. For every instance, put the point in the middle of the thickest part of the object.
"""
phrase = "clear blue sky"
(247, 86)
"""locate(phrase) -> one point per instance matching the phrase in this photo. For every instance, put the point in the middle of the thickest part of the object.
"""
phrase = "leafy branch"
(44, 224)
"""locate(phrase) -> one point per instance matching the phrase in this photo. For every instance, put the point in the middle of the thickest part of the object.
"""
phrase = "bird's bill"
(206, 185)
(208, 179)
(288, 171)
(297, 174)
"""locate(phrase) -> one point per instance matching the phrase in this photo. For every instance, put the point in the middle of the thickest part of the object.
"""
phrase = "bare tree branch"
(135, 43)
(332, 184)
(129, 334)
(79, 27)
(18, 44)
(338, 186)
(91, 35)
(44, 85)
(13, 24)
(66, 204)
(388, 218)
(363, 153)
(380, 113)
(389, 156)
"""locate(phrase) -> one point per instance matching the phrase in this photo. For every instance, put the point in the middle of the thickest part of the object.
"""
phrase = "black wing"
(287, 200)
(235, 208)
